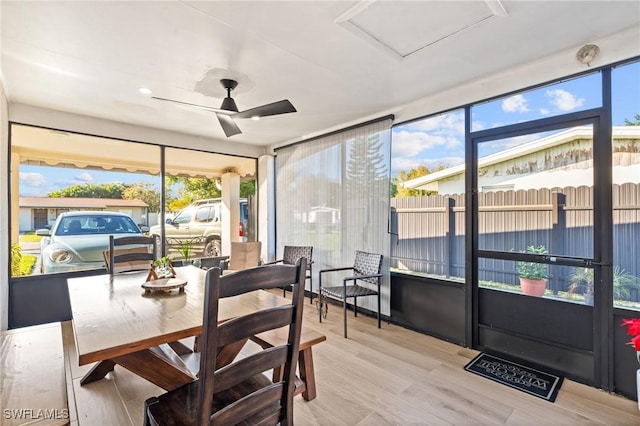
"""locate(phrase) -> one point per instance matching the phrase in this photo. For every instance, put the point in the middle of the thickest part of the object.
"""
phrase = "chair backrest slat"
(257, 322)
(244, 368)
(252, 405)
(130, 253)
(272, 277)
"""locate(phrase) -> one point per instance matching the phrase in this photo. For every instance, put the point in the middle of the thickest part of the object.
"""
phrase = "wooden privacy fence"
(428, 233)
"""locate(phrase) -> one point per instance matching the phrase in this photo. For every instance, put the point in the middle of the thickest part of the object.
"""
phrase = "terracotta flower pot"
(532, 287)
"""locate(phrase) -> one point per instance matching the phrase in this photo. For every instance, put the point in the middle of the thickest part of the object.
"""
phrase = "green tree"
(91, 190)
(404, 176)
(191, 189)
(635, 122)
(365, 164)
(144, 191)
(393, 188)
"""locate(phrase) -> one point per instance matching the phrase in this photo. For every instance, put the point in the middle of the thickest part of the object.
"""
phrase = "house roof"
(429, 181)
(78, 203)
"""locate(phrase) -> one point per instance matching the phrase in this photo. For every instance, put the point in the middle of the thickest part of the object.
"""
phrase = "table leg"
(180, 348)
(307, 374)
(98, 371)
(160, 365)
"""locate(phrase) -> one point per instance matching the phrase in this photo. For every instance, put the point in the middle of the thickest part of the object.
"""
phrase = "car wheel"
(212, 248)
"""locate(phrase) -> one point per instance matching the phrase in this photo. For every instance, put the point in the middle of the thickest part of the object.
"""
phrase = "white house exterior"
(557, 160)
(38, 212)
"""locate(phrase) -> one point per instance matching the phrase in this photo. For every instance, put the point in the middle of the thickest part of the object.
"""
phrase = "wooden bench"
(34, 386)
(308, 338)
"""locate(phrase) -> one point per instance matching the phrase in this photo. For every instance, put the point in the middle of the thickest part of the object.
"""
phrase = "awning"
(45, 147)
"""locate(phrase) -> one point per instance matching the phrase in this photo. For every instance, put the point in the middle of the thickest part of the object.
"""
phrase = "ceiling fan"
(228, 111)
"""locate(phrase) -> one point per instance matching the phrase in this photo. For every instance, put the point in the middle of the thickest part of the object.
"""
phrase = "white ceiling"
(338, 62)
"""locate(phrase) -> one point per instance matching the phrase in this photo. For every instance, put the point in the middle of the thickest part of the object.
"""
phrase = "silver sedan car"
(77, 240)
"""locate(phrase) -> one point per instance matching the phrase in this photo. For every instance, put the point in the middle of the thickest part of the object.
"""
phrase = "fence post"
(450, 236)
(558, 232)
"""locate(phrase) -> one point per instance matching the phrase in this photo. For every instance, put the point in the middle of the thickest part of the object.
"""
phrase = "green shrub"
(21, 264)
(27, 263)
(533, 270)
(16, 258)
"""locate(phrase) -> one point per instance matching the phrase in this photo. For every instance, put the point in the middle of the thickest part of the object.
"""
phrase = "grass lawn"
(26, 264)
(30, 238)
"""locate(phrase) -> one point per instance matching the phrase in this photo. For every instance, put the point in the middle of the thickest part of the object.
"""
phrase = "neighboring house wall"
(551, 164)
(25, 220)
(32, 209)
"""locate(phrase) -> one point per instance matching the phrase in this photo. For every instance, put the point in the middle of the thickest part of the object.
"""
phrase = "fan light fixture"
(145, 91)
(228, 111)
(587, 53)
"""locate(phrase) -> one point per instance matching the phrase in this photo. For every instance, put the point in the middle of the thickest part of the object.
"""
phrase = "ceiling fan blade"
(275, 108)
(206, 108)
(228, 125)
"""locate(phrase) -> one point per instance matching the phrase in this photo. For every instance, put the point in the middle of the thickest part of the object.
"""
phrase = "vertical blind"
(332, 193)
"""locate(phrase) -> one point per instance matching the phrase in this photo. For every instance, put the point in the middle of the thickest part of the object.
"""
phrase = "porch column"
(230, 209)
(15, 196)
(266, 194)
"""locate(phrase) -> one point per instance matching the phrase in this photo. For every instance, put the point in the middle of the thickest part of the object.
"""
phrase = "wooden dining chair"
(365, 281)
(240, 392)
(135, 253)
(290, 256)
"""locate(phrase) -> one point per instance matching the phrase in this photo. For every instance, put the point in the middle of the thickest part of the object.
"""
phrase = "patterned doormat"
(526, 379)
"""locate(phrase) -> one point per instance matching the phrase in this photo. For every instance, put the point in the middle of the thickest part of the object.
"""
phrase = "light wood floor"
(390, 376)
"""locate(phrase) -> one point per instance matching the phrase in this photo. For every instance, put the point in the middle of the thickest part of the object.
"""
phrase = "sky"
(433, 142)
(38, 181)
(439, 140)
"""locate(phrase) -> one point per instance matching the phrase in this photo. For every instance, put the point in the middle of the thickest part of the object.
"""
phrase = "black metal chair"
(240, 392)
(366, 280)
(133, 253)
(290, 256)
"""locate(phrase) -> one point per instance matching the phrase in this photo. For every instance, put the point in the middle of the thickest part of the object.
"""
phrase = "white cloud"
(544, 111)
(451, 123)
(516, 103)
(427, 142)
(411, 144)
(84, 177)
(563, 100)
(32, 179)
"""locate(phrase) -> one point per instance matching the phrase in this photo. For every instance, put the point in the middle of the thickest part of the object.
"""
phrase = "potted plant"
(533, 275)
(162, 267)
(581, 279)
(184, 248)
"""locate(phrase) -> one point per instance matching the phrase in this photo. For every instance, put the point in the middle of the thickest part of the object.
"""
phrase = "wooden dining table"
(116, 322)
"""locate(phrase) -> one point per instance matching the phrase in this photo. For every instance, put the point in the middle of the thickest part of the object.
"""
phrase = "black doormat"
(527, 379)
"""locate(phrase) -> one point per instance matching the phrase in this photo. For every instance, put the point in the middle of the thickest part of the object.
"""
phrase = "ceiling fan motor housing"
(228, 104)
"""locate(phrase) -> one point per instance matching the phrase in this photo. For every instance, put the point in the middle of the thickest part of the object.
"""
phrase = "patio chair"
(290, 256)
(133, 253)
(240, 392)
(365, 282)
(243, 256)
(212, 262)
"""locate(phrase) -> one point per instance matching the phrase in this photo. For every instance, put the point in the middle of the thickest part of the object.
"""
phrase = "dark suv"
(201, 224)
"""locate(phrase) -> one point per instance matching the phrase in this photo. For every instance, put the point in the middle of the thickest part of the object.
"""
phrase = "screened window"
(333, 194)
(428, 197)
